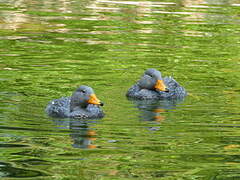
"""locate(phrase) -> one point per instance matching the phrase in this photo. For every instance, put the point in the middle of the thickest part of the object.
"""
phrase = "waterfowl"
(83, 104)
(153, 86)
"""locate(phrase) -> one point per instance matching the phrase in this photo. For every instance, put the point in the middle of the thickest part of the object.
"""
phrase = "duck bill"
(94, 100)
(160, 86)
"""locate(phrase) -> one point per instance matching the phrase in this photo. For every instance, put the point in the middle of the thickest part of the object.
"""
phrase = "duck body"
(79, 105)
(59, 107)
(147, 88)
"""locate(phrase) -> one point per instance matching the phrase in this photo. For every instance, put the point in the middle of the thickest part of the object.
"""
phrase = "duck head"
(152, 80)
(83, 96)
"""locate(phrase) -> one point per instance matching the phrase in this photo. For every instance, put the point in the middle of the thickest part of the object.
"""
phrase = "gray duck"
(153, 86)
(83, 104)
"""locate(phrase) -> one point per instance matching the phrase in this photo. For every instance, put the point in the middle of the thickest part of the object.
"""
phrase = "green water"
(49, 47)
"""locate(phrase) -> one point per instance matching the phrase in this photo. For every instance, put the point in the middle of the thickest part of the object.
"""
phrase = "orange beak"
(160, 86)
(94, 100)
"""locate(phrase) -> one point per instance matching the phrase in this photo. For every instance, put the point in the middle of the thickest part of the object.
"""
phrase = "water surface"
(48, 48)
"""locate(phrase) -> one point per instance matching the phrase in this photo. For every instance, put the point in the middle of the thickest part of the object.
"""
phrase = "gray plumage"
(144, 88)
(76, 106)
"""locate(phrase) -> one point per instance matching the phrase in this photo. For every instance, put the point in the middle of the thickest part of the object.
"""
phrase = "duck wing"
(175, 89)
(59, 107)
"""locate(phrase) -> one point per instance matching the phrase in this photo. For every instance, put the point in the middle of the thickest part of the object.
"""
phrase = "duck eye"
(83, 91)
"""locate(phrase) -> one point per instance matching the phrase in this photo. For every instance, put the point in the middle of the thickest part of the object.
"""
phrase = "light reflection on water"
(47, 48)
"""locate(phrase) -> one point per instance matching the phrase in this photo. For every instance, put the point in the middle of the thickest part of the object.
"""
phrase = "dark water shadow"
(153, 110)
(81, 132)
(8, 145)
(6, 170)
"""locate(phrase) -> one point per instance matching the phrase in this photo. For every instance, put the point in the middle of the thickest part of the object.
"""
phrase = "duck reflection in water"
(82, 135)
(81, 131)
(153, 110)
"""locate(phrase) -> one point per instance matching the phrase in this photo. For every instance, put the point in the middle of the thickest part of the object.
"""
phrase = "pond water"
(49, 47)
